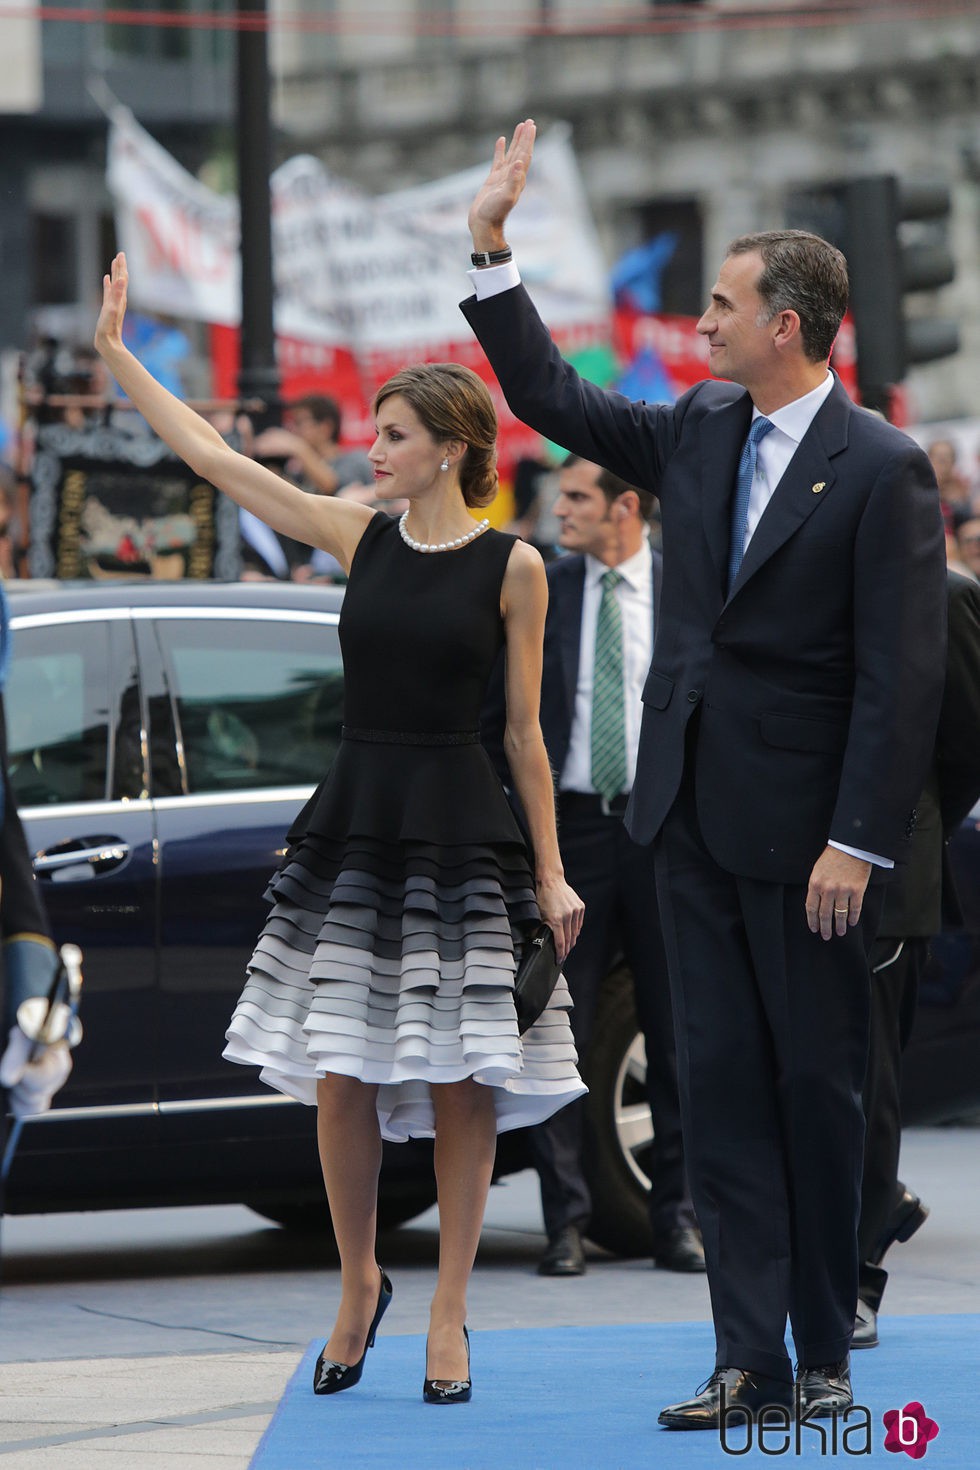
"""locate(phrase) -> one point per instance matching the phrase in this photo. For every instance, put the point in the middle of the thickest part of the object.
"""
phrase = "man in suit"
(598, 642)
(919, 900)
(788, 720)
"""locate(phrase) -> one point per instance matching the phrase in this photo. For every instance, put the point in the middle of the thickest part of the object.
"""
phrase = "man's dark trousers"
(765, 1117)
(894, 991)
(616, 880)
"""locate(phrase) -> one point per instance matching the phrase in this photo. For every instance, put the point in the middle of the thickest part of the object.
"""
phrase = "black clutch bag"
(537, 975)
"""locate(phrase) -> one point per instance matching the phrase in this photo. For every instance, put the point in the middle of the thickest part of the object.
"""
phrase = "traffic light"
(894, 237)
(888, 259)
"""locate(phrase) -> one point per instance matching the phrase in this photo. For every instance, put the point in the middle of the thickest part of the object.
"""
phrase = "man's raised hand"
(503, 187)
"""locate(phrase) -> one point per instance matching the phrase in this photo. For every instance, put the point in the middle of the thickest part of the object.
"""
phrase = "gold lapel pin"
(818, 486)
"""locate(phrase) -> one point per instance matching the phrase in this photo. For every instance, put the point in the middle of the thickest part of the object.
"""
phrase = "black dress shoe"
(825, 1390)
(446, 1391)
(865, 1326)
(564, 1256)
(903, 1222)
(729, 1388)
(331, 1377)
(679, 1250)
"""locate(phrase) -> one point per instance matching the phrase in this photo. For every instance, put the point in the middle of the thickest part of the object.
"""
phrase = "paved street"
(145, 1339)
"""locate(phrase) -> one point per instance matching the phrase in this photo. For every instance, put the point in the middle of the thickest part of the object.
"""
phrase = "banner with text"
(379, 275)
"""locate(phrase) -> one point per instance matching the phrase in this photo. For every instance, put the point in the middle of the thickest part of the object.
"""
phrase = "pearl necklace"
(477, 530)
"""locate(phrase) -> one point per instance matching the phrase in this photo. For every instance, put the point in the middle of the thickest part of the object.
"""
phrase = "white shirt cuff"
(492, 279)
(867, 857)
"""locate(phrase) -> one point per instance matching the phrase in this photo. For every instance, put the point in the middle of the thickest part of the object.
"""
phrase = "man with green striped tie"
(597, 646)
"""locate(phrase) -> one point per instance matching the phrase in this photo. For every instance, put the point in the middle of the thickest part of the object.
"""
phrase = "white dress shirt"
(635, 597)
(490, 280)
(773, 455)
(775, 451)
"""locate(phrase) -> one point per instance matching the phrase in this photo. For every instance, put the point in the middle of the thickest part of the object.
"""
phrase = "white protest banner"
(379, 275)
(180, 237)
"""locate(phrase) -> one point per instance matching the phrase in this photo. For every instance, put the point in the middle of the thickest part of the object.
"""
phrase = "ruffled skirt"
(393, 962)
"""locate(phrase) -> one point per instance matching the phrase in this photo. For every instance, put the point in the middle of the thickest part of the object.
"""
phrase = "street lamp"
(258, 373)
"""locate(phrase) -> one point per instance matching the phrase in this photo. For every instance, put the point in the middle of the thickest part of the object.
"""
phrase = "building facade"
(707, 120)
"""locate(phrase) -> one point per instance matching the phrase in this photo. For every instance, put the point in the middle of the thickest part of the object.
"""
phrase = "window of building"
(677, 225)
(54, 253)
(173, 41)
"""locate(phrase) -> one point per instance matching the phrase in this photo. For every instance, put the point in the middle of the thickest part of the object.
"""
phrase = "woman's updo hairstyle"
(453, 403)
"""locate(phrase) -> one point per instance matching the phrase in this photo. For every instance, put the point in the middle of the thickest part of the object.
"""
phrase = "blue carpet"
(587, 1398)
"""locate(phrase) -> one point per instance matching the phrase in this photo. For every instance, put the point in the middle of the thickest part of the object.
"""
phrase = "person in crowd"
(968, 546)
(921, 895)
(8, 564)
(954, 489)
(309, 447)
(382, 985)
(598, 641)
(308, 451)
(954, 561)
(788, 720)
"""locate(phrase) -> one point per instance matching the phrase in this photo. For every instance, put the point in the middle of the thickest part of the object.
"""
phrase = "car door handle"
(100, 854)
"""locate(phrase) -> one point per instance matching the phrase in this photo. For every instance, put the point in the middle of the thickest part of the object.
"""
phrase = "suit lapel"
(722, 436)
(809, 479)
(571, 589)
(656, 566)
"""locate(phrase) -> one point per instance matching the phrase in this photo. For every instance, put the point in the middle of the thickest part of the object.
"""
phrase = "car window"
(259, 703)
(56, 701)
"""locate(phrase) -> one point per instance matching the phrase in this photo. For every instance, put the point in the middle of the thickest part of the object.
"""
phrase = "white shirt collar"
(793, 419)
(635, 569)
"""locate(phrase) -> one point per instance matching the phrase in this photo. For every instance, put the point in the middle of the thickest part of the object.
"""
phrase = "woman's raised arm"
(315, 520)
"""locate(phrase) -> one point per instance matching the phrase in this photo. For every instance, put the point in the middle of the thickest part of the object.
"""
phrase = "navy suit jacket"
(819, 677)
(923, 895)
(559, 675)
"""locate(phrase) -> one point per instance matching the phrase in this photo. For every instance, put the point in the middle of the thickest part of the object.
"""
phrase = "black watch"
(482, 258)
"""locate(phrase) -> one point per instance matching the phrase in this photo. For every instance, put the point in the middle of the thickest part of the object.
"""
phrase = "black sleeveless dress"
(398, 914)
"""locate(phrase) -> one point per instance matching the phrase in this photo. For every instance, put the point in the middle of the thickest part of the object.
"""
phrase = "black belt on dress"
(590, 804)
(412, 737)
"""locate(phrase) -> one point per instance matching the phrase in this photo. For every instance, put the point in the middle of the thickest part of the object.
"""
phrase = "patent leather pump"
(446, 1391)
(331, 1377)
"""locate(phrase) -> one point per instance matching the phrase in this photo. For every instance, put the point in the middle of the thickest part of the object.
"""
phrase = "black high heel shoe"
(331, 1377)
(443, 1391)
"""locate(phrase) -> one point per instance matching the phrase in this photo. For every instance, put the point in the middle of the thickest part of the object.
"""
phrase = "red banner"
(309, 367)
(653, 356)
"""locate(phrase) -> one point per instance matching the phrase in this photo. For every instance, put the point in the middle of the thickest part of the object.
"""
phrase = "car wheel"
(618, 1126)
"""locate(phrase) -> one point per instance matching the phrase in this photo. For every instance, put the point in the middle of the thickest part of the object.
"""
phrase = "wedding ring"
(842, 911)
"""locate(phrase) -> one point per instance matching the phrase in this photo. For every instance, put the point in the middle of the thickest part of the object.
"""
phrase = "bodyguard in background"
(597, 646)
(919, 900)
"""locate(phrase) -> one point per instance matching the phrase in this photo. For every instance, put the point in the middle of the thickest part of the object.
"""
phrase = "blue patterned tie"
(743, 488)
(608, 699)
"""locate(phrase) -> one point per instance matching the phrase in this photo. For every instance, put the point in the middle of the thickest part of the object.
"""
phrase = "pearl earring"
(444, 465)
